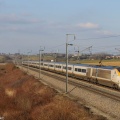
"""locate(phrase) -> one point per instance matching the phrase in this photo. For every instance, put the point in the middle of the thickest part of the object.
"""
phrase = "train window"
(69, 68)
(79, 70)
(84, 70)
(51, 65)
(76, 69)
(64, 67)
(45, 65)
(59, 66)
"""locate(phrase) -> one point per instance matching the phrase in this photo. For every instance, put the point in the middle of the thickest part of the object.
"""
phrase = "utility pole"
(40, 61)
(28, 60)
(55, 56)
(67, 59)
(78, 52)
(22, 60)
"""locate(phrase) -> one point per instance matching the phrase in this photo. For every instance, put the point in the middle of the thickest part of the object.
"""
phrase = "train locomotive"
(104, 75)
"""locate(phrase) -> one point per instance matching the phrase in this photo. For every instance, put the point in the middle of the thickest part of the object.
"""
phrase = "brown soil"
(24, 98)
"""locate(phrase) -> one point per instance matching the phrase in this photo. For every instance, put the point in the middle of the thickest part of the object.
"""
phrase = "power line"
(107, 46)
(99, 37)
(86, 39)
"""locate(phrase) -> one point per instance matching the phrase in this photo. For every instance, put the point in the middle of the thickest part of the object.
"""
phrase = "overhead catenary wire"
(99, 37)
(85, 39)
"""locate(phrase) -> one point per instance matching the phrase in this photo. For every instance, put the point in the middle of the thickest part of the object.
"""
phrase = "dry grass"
(112, 63)
(24, 98)
(61, 108)
(109, 63)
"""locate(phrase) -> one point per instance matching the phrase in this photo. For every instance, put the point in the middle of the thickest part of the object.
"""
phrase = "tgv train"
(104, 75)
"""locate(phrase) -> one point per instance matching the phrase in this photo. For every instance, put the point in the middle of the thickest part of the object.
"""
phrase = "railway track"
(104, 91)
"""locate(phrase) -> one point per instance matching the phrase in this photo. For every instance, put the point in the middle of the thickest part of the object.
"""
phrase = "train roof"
(98, 66)
(107, 67)
(87, 65)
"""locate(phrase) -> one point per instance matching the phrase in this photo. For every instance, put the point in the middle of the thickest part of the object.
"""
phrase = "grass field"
(112, 62)
(104, 62)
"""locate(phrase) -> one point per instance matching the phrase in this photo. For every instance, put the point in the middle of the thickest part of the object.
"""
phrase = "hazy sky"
(26, 25)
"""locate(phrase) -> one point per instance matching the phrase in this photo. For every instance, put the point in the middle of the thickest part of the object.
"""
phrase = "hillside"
(25, 98)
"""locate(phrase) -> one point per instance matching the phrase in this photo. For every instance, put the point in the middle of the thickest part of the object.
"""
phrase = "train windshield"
(118, 69)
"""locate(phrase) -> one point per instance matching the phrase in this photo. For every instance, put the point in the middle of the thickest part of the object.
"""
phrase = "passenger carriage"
(104, 75)
(51, 66)
(45, 65)
(70, 69)
(81, 71)
(58, 67)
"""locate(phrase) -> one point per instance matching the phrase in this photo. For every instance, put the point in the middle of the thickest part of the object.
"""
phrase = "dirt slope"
(22, 97)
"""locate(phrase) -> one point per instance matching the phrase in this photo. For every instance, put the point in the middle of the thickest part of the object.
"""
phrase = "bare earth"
(25, 98)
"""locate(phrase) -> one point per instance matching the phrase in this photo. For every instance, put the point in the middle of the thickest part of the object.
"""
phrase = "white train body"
(104, 75)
